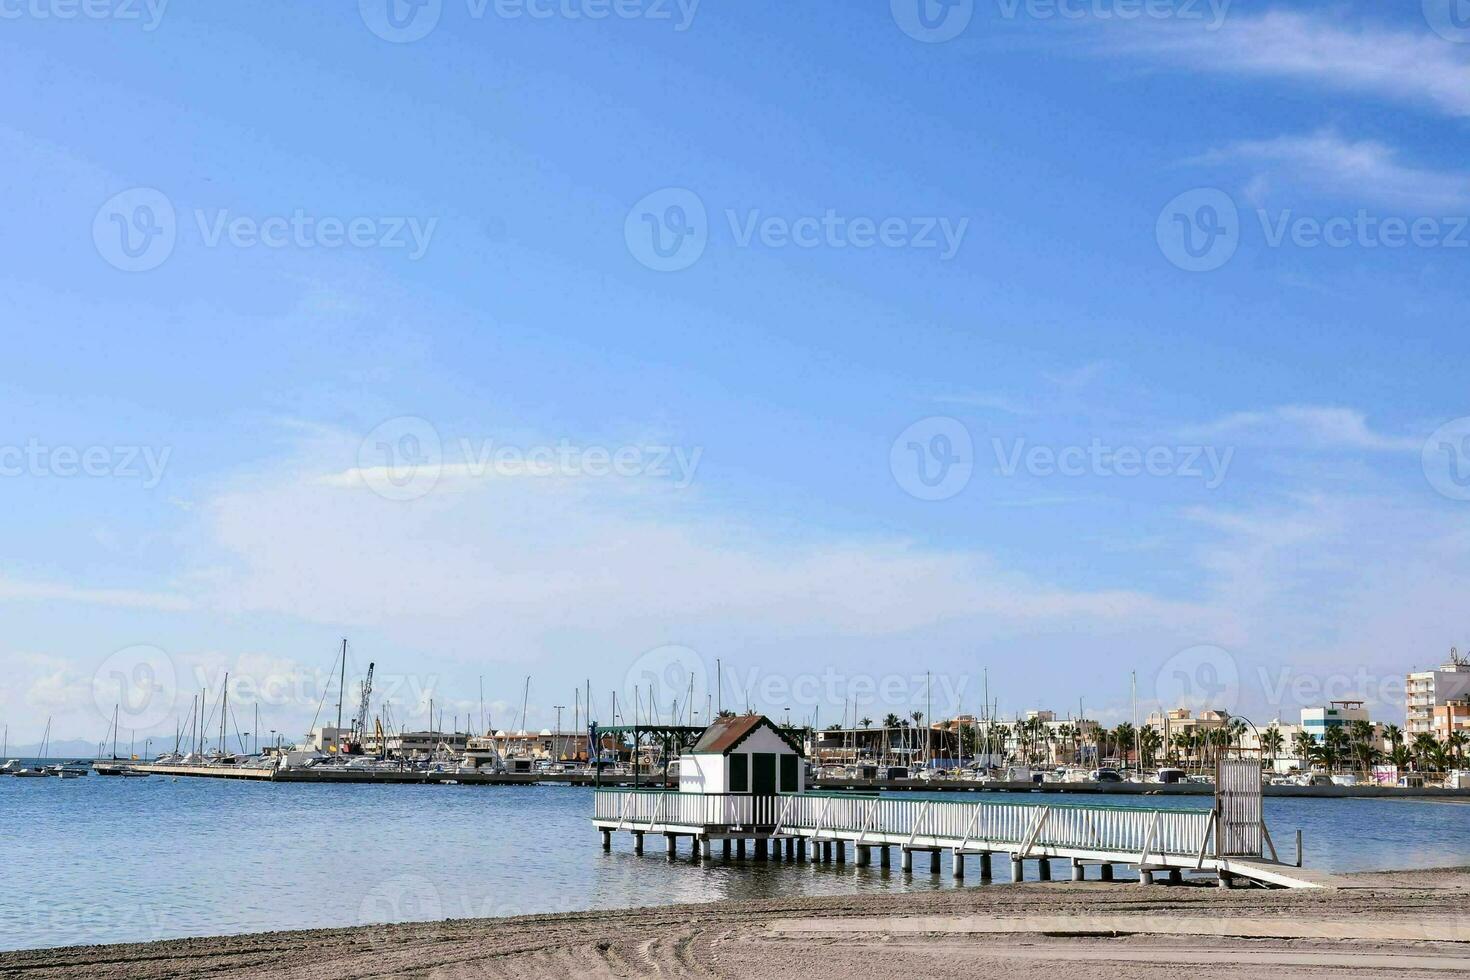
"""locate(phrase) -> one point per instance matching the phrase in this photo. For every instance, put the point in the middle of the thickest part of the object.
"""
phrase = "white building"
(1429, 689)
(1316, 722)
(743, 754)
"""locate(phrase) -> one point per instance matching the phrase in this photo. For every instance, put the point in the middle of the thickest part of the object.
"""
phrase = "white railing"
(1019, 827)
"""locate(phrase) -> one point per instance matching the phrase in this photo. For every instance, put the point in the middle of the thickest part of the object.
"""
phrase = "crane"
(359, 721)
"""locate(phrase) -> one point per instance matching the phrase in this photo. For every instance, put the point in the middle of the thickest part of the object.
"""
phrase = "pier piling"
(934, 862)
(1079, 872)
(1043, 869)
(1018, 870)
(985, 866)
(707, 848)
(841, 847)
(725, 848)
(883, 861)
(1107, 873)
(801, 850)
(957, 865)
(671, 844)
(1145, 877)
(1176, 877)
(864, 855)
(906, 859)
(761, 849)
(790, 849)
(637, 842)
(740, 849)
(607, 840)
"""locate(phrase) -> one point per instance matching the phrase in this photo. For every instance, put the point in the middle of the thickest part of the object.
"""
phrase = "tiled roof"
(726, 733)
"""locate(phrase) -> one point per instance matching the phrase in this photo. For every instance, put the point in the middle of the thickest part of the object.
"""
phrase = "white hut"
(743, 754)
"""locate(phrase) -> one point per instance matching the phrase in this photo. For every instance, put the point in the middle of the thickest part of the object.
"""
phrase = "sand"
(1390, 924)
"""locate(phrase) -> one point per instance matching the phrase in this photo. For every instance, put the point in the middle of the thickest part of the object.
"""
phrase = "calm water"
(100, 860)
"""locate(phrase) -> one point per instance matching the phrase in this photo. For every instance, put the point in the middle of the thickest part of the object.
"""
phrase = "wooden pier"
(1156, 842)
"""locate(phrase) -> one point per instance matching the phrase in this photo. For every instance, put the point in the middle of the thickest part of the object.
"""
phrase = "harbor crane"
(360, 720)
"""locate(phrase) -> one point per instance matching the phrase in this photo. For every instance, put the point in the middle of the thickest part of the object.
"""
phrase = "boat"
(1169, 774)
(65, 772)
(1105, 776)
(11, 767)
(31, 774)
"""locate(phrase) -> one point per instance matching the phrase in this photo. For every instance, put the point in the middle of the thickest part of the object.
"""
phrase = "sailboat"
(38, 772)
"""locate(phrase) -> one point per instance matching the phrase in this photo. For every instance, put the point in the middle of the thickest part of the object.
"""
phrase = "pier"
(1062, 839)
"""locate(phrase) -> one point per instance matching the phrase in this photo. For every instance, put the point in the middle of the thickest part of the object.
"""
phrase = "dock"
(816, 826)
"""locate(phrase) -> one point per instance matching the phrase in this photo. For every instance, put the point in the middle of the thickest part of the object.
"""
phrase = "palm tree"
(867, 723)
(1125, 735)
(1456, 743)
(1272, 740)
(1424, 749)
(1335, 745)
(1360, 733)
(1149, 741)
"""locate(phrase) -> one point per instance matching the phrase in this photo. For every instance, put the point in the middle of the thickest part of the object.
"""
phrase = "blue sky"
(293, 438)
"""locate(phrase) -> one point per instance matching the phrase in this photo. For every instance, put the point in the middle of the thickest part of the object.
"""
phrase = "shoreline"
(1419, 920)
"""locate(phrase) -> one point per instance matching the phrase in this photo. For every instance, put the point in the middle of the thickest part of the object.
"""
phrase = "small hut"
(743, 754)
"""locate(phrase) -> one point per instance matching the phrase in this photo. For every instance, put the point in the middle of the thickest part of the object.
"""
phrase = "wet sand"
(1414, 924)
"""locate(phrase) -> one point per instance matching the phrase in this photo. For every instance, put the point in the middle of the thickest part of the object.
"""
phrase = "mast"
(224, 710)
(341, 683)
(114, 731)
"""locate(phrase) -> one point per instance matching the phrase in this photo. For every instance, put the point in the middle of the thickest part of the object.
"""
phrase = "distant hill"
(72, 748)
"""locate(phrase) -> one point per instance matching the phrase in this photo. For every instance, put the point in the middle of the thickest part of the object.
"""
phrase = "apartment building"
(1431, 689)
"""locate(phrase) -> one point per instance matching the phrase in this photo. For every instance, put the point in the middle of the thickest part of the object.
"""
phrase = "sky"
(1088, 356)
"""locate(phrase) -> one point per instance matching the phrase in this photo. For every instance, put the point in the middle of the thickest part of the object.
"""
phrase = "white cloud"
(1365, 171)
(1412, 67)
(18, 590)
(1313, 427)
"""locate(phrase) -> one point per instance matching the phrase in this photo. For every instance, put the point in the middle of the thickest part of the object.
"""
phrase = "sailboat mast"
(341, 683)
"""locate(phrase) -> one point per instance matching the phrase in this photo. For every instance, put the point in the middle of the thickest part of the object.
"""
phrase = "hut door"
(763, 765)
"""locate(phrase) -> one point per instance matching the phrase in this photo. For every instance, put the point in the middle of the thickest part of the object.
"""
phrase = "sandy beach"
(1399, 923)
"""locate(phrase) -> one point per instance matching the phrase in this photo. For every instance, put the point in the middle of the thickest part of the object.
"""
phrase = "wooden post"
(1298, 848)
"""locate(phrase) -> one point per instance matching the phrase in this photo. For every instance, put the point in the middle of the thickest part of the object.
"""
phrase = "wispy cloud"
(1309, 426)
(1418, 68)
(23, 591)
(1365, 171)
